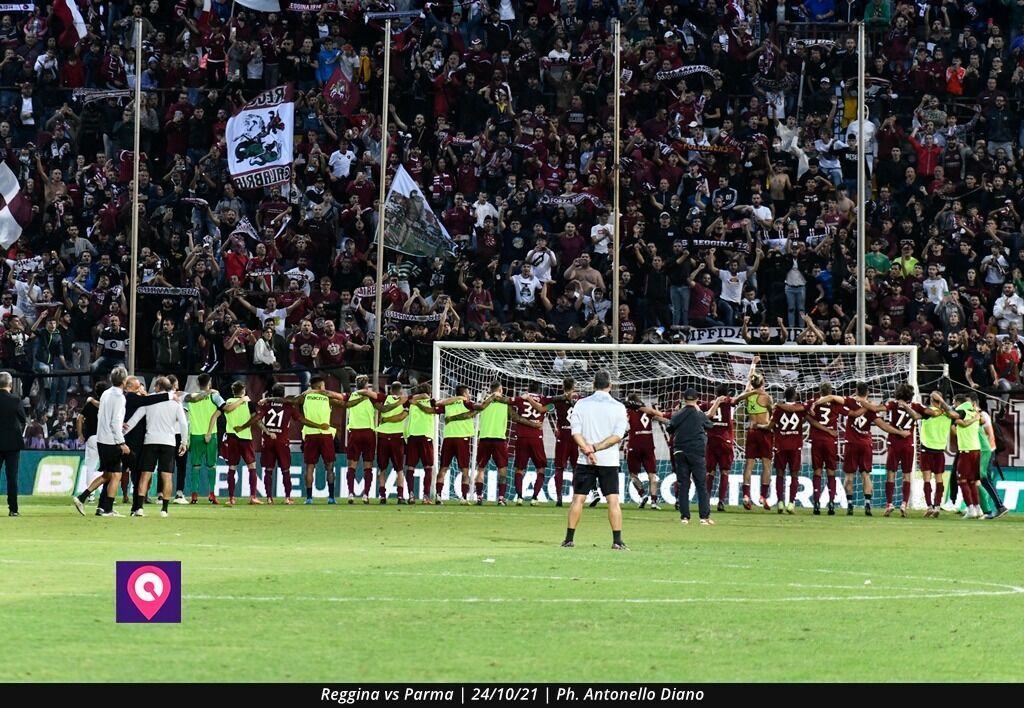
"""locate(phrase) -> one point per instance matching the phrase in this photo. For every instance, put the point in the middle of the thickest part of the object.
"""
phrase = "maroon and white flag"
(342, 92)
(15, 210)
(72, 20)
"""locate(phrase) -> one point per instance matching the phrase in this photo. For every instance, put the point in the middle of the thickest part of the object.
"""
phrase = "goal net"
(660, 374)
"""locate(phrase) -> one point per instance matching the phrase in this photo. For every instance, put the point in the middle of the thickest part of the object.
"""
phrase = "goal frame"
(442, 346)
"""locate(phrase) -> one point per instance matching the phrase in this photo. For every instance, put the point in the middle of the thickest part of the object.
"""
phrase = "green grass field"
(485, 594)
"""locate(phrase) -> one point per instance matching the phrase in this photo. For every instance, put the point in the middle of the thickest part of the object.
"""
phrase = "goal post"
(659, 374)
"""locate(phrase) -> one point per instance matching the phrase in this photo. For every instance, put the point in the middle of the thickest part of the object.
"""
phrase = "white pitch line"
(544, 600)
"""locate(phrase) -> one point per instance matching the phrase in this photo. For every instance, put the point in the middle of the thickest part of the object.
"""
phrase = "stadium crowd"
(738, 181)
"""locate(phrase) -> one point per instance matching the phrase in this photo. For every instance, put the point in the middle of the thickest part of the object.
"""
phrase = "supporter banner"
(732, 335)
(167, 292)
(245, 228)
(86, 95)
(195, 201)
(572, 200)
(739, 246)
(260, 5)
(25, 267)
(342, 92)
(407, 317)
(17, 7)
(823, 43)
(313, 6)
(15, 211)
(723, 149)
(260, 138)
(686, 71)
(410, 226)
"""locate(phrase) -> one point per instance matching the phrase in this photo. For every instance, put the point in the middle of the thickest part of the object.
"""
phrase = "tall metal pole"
(861, 191)
(133, 313)
(615, 185)
(378, 314)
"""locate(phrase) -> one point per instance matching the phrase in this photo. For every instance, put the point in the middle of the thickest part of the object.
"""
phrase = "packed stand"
(738, 183)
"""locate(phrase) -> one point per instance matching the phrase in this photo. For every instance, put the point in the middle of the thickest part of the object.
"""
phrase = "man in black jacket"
(688, 428)
(12, 438)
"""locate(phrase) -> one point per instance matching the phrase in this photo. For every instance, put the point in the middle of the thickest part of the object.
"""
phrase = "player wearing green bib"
(203, 409)
(935, 426)
(237, 445)
(390, 443)
(361, 442)
(492, 443)
(418, 416)
(314, 412)
(458, 431)
(759, 440)
(968, 464)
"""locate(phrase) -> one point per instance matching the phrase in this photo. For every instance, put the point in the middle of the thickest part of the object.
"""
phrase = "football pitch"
(369, 593)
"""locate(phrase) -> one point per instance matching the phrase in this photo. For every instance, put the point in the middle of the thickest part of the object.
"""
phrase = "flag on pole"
(74, 24)
(342, 92)
(260, 140)
(410, 226)
(261, 5)
(15, 210)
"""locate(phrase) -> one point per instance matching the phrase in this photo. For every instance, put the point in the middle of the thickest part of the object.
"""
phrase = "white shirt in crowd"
(732, 284)
(596, 417)
(526, 289)
(163, 422)
(305, 277)
(543, 262)
(481, 211)
(340, 162)
(935, 289)
(110, 419)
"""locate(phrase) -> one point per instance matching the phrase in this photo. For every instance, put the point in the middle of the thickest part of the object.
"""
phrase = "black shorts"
(157, 458)
(587, 478)
(111, 458)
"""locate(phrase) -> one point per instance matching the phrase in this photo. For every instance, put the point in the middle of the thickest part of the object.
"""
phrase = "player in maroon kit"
(640, 447)
(305, 348)
(720, 452)
(822, 415)
(273, 417)
(901, 414)
(527, 413)
(861, 414)
(566, 450)
(788, 426)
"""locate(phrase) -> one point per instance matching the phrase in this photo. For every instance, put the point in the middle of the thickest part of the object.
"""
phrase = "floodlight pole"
(381, 196)
(617, 178)
(133, 313)
(861, 192)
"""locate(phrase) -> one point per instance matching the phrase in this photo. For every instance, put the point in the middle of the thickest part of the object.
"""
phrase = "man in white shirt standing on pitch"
(110, 439)
(164, 423)
(598, 426)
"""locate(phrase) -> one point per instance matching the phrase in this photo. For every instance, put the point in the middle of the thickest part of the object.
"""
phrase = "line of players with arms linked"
(167, 431)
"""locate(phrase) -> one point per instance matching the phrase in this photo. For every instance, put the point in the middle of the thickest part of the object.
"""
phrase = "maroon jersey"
(901, 420)
(825, 413)
(858, 427)
(721, 423)
(563, 416)
(302, 348)
(640, 433)
(332, 349)
(788, 427)
(524, 432)
(276, 417)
